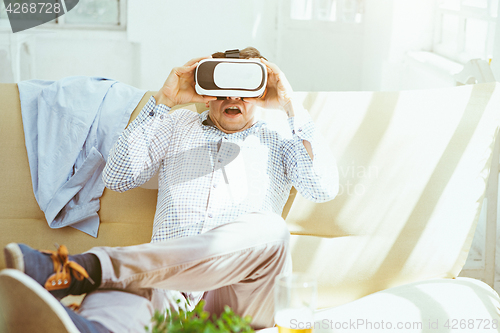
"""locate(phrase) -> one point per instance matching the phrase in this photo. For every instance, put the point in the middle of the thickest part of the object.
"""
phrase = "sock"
(92, 265)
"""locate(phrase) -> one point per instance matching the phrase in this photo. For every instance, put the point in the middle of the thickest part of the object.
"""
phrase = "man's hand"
(278, 92)
(179, 86)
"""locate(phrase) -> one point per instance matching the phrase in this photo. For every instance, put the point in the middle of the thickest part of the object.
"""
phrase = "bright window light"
(465, 29)
(449, 31)
(326, 10)
(450, 4)
(476, 3)
(301, 10)
(95, 12)
(476, 32)
(349, 11)
(494, 8)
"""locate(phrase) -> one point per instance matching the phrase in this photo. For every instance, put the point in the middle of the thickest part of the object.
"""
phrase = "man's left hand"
(278, 91)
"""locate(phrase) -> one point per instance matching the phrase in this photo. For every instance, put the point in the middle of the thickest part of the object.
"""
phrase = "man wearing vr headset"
(224, 178)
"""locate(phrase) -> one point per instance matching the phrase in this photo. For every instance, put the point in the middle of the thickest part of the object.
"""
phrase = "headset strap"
(232, 53)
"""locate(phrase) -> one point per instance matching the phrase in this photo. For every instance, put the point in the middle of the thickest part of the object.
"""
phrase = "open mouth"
(232, 111)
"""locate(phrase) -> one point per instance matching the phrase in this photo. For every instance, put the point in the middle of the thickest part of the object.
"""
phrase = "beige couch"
(413, 172)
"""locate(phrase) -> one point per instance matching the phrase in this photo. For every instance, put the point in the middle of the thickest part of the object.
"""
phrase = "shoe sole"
(14, 257)
(25, 306)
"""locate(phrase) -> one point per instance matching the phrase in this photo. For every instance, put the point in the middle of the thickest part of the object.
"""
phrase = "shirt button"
(293, 131)
(161, 117)
(151, 113)
(210, 215)
(215, 185)
(300, 129)
(219, 160)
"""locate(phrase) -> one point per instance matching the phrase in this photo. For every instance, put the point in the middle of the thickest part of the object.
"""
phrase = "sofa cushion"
(413, 169)
(126, 218)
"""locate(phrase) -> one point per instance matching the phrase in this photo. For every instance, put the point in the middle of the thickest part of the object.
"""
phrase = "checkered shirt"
(207, 177)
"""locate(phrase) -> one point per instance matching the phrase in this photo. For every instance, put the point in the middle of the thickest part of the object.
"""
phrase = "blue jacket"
(69, 127)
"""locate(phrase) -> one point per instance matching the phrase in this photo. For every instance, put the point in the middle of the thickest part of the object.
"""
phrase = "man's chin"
(232, 127)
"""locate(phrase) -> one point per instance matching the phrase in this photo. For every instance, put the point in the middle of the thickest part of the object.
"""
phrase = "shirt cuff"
(302, 125)
(152, 111)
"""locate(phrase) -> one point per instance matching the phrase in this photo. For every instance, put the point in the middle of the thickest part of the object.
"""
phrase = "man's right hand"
(179, 86)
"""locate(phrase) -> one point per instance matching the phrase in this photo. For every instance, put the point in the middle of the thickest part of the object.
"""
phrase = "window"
(327, 10)
(465, 29)
(87, 13)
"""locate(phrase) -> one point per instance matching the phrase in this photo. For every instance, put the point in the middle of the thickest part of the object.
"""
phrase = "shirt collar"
(205, 119)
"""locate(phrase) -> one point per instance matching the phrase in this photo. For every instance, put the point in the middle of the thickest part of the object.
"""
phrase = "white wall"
(172, 32)
(317, 59)
(319, 55)
(60, 54)
(315, 56)
(377, 42)
(162, 34)
(392, 29)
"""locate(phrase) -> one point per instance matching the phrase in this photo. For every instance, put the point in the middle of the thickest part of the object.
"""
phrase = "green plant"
(200, 321)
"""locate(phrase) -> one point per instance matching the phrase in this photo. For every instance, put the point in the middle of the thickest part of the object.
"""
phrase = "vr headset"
(230, 76)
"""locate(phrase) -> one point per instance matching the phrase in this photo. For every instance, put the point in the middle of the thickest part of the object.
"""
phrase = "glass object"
(94, 12)
(295, 302)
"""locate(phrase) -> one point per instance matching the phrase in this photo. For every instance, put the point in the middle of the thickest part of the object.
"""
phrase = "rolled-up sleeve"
(316, 179)
(136, 155)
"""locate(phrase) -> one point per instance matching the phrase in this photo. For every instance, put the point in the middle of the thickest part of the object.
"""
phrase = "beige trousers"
(235, 263)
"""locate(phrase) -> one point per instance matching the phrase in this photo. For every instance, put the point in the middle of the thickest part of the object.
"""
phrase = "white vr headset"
(231, 76)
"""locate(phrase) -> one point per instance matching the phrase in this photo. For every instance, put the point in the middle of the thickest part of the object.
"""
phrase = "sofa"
(414, 169)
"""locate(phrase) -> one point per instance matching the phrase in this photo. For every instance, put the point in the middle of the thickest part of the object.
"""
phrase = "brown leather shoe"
(63, 269)
(54, 270)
